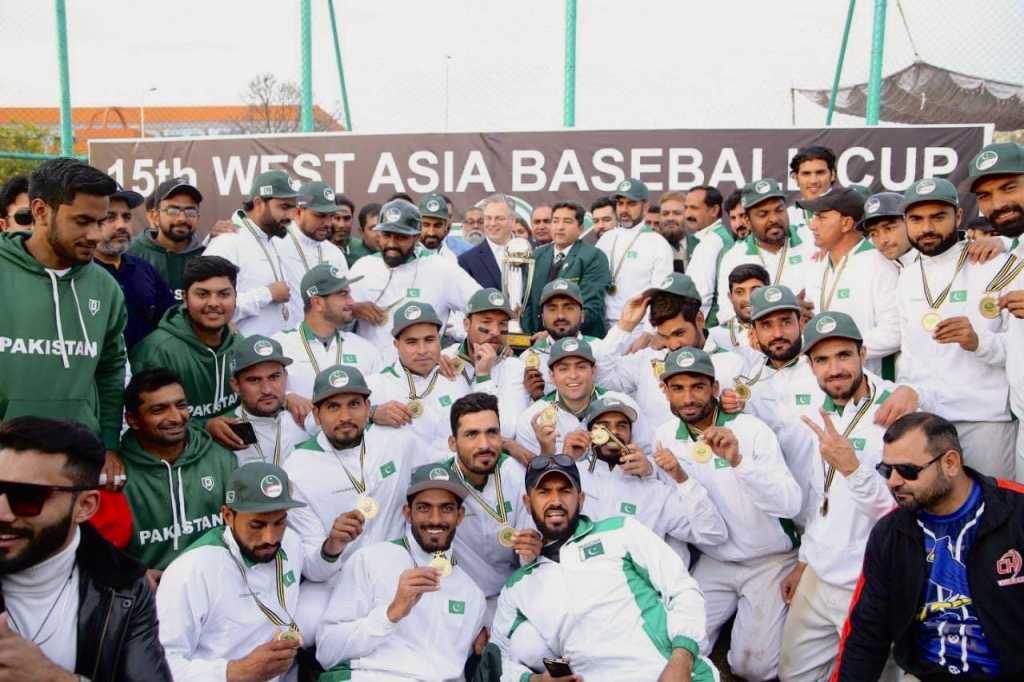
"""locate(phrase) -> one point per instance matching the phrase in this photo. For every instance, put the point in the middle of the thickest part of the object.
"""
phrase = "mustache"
(7, 529)
(1005, 210)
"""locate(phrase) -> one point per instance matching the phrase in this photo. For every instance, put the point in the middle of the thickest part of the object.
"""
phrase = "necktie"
(556, 266)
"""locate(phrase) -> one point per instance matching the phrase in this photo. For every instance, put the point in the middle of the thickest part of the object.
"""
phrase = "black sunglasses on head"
(27, 499)
(908, 472)
(541, 462)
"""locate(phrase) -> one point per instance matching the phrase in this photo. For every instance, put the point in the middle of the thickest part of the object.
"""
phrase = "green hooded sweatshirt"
(169, 264)
(203, 371)
(61, 341)
(174, 504)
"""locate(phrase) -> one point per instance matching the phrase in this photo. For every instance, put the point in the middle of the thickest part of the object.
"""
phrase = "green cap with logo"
(632, 189)
(829, 325)
(770, 299)
(486, 300)
(414, 312)
(323, 280)
(676, 284)
(561, 287)
(255, 350)
(688, 360)
(570, 348)
(930, 189)
(273, 184)
(434, 206)
(1000, 158)
(753, 193)
(336, 380)
(606, 405)
(259, 487)
(400, 217)
(434, 477)
(317, 196)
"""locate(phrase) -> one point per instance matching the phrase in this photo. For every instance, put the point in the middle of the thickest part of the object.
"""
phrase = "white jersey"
(968, 387)
(276, 437)
(505, 382)
(436, 281)
(435, 392)
(733, 336)
(259, 265)
(567, 422)
(616, 603)
(615, 343)
(208, 616)
(1015, 339)
(431, 644)
(310, 356)
(861, 285)
(300, 253)
(715, 240)
(318, 477)
(639, 258)
(757, 498)
(638, 375)
(833, 543)
(786, 266)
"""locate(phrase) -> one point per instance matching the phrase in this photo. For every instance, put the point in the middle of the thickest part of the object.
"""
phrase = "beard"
(926, 498)
(943, 246)
(344, 443)
(174, 234)
(394, 257)
(1011, 228)
(429, 543)
(249, 553)
(552, 534)
(257, 411)
(65, 252)
(44, 544)
(608, 453)
(706, 410)
(112, 248)
(849, 393)
(786, 354)
(571, 332)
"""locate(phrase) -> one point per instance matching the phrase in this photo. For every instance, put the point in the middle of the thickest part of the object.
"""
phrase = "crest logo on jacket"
(94, 305)
(207, 483)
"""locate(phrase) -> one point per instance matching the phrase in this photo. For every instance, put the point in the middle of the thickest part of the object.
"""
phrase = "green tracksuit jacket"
(174, 504)
(61, 341)
(203, 371)
(169, 264)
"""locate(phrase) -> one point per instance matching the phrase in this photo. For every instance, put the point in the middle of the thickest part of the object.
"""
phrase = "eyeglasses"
(23, 217)
(541, 462)
(908, 472)
(27, 499)
(175, 211)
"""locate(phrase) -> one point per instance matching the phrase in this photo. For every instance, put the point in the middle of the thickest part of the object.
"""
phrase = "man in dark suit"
(569, 257)
(483, 261)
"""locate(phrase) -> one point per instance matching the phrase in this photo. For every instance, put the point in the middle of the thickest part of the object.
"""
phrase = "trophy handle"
(528, 285)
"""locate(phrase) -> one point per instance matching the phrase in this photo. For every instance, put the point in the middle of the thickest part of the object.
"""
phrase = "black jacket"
(117, 628)
(480, 264)
(892, 585)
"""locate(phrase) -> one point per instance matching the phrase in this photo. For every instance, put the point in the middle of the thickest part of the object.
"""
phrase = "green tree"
(22, 137)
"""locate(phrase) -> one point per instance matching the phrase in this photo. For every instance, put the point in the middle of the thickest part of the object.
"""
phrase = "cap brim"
(397, 229)
(774, 309)
(397, 331)
(761, 198)
(533, 484)
(552, 361)
(621, 409)
(862, 223)
(283, 361)
(188, 189)
(133, 199)
(669, 373)
(263, 507)
(454, 487)
(317, 399)
(816, 204)
(564, 294)
(321, 208)
(808, 346)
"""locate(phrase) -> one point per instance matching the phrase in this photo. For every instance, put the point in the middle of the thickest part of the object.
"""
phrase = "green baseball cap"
(561, 287)
(767, 300)
(676, 284)
(632, 189)
(688, 360)
(829, 325)
(259, 487)
(570, 347)
(434, 477)
(273, 184)
(400, 217)
(317, 196)
(255, 350)
(434, 206)
(606, 405)
(1000, 158)
(485, 300)
(753, 193)
(414, 312)
(931, 189)
(336, 380)
(323, 280)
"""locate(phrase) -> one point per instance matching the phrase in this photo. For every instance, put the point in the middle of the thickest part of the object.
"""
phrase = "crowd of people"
(278, 446)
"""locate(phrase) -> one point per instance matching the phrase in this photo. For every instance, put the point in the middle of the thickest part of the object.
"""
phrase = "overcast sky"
(640, 63)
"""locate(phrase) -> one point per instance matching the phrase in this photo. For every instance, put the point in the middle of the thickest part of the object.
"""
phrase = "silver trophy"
(516, 279)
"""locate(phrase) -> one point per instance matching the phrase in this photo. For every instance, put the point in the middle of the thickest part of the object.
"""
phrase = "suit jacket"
(480, 264)
(585, 265)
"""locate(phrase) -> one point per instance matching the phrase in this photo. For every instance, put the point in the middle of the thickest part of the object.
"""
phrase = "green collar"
(683, 432)
(753, 249)
(830, 406)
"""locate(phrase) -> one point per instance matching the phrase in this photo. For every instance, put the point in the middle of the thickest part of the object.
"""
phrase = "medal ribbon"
(309, 351)
(732, 332)
(696, 433)
(391, 274)
(277, 440)
(412, 386)
(830, 471)
(1006, 274)
(824, 301)
(936, 303)
(267, 611)
(782, 261)
(405, 543)
(502, 516)
(625, 253)
(277, 272)
(358, 483)
(559, 404)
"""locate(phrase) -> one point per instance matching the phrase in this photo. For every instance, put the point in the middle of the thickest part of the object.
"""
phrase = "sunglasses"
(908, 472)
(541, 462)
(27, 499)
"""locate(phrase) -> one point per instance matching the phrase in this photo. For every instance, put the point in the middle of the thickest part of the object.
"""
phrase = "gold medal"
(599, 435)
(742, 390)
(367, 506)
(658, 367)
(507, 536)
(989, 307)
(416, 407)
(441, 563)
(612, 288)
(457, 364)
(701, 452)
(292, 634)
(532, 360)
(824, 507)
(931, 320)
(549, 416)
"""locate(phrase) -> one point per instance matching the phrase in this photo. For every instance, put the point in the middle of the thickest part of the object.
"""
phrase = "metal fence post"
(839, 63)
(569, 110)
(874, 103)
(341, 70)
(307, 67)
(67, 135)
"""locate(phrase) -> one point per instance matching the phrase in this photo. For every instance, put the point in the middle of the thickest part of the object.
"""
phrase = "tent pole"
(874, 103)
(341, 71)
(307, 67)
(839, 63)
(569, 107)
